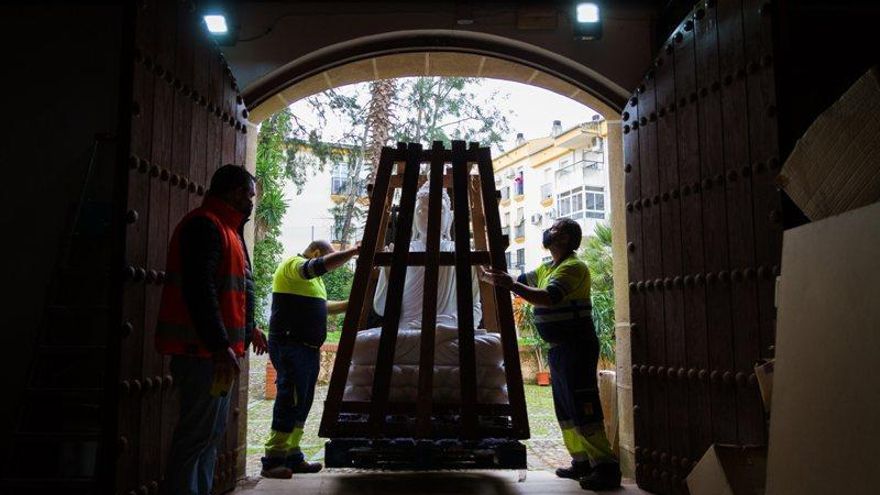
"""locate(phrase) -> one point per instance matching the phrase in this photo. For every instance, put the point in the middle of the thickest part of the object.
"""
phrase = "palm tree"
(379, 116)
(597, 255)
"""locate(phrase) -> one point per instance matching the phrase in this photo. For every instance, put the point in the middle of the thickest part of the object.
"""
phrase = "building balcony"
(547, 194)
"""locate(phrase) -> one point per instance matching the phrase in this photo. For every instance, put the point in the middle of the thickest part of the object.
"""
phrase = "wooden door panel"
(177, 142)
(702, 231)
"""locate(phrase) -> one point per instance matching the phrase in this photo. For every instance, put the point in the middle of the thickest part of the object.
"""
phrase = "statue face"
(421, 214)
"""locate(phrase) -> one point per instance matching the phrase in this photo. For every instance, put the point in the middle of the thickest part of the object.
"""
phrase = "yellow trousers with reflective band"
(283, 444)
(586, 444)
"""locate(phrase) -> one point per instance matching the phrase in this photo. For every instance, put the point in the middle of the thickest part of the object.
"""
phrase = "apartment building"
(564, 174)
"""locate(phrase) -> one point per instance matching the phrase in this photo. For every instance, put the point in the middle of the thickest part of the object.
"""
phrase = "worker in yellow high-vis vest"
(560, 292)
(297, 329)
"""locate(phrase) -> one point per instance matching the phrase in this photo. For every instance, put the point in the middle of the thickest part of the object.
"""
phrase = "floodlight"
(216, 24)
(587, 23)
(587, 12)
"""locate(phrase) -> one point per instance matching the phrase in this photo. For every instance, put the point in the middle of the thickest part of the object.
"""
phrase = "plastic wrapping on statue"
(491, 381)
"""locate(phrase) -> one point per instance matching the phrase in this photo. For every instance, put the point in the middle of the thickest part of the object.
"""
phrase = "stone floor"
(545, 452)
(346, 482)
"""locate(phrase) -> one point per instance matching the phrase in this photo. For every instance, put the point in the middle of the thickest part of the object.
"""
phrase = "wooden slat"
(653, 252)
(504, 306)
(376, 273)
(481, 243)
(394, 299)
(741, 233)
(670, 222)
(356, 300)
(467, 360)
(700, 422)
(635, 265)
(429, 299)
(149, 444)
(764, 157)
(444, 258)
(715, 225)
(363, 407)
(397, 181)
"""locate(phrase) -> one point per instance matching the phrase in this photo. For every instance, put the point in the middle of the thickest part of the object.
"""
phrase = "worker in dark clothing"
(560, 292)
(297, 329)
(206, 323)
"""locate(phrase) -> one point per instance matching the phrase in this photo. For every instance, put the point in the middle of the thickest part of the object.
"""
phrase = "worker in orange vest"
(206, 322)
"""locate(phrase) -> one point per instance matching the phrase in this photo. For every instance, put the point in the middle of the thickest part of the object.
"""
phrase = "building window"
(520, 230)
(521, 258)
(571, 203)
(505, 220)
(509, 256)
(518, 184)
(595, 202)
(547, 191)
(505, 192)
(520, 215)
(338, 222)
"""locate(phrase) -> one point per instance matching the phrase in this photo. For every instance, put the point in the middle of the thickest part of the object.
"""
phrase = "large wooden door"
(703, 237)
(187, 120)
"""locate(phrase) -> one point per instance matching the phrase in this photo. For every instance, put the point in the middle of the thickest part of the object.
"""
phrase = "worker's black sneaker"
(604, 476)
(576, 471)
(306, 467)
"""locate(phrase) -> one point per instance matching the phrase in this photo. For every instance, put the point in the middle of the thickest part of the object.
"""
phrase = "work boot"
(306, 467)
(604, 476)
(273, 467)
(576, 471)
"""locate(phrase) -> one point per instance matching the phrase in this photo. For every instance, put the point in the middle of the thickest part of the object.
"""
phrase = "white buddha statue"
(491, 383)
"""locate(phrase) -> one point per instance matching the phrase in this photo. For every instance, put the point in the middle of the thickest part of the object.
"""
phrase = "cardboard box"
(825, 424)
(764, 374)
(835, 166)
(729, 470)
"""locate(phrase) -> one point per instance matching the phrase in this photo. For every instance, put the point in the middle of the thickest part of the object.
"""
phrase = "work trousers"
(200, 427)
(574, 380)
(296, 367)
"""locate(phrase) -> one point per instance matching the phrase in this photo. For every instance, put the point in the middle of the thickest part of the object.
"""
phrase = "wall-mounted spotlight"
(216, 23)
(220, 21)
(587, 23)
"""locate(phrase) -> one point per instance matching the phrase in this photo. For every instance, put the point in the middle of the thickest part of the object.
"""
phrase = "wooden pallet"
(469, 424)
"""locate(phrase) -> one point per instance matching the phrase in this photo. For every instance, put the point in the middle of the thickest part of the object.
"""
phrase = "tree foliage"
(597, 255)
(338, 284)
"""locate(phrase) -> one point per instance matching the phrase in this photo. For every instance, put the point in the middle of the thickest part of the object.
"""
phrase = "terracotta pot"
(543, 378)
(270, 392)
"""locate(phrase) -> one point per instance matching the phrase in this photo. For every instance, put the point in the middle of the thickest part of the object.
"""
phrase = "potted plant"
(524, 317)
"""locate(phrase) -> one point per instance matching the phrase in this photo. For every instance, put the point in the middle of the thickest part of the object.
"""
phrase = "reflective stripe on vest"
(175, 332)
(569, 310)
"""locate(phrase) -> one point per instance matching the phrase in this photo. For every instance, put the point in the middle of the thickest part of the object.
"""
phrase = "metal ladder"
(59, 439)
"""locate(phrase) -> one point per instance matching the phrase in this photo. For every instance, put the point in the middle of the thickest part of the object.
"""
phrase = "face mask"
(547, 239)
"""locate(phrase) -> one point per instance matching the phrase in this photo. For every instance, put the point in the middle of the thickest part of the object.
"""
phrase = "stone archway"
(455, 53)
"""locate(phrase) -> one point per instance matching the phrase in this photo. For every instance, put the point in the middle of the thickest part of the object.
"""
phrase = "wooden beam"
(487, 294)
(515, 392)
(429, 300)
(444, 258)
(394, 299)
(464, 295)
(330, 418)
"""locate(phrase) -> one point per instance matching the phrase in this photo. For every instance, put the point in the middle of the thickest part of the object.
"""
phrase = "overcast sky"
(533, 111)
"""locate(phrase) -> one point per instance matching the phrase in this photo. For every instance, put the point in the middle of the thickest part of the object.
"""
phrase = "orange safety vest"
(175, 332)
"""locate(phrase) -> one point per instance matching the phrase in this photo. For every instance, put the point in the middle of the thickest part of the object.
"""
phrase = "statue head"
(421, 214)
